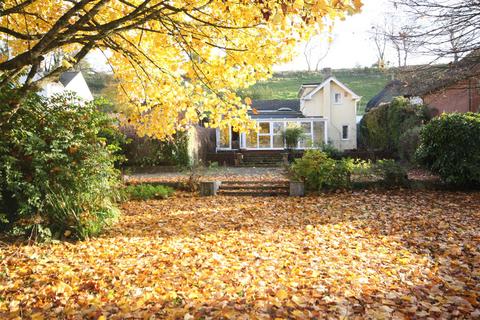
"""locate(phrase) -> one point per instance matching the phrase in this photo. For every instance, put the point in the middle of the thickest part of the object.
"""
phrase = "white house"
(72, 81)
(326, 111)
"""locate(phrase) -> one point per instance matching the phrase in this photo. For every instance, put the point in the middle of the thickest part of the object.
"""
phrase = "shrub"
(392, 174)
(58, 174)
(382, 127)
(320, 172)
(292, 136)
(143, 151)
(450, 147)
(147, 191)
(408, 144)
(331, 151)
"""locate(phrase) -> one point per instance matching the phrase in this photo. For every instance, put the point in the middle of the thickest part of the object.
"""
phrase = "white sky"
(351, 45)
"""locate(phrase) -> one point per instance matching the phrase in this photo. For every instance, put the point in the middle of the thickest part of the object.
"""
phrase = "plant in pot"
(292, 136)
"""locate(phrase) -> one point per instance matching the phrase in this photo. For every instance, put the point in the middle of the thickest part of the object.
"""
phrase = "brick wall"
(463, 96)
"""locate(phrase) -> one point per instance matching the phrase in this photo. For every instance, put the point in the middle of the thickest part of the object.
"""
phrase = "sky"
(351, 46)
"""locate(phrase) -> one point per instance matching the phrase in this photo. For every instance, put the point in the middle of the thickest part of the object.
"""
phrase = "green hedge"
(450, 147)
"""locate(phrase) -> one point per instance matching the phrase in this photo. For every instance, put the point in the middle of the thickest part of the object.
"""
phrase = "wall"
(201, 142)
(462, 97)
(340, 115)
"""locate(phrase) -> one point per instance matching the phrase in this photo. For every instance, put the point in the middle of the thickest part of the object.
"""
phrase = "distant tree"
(380, 39)
(445, 28)
(316, 50)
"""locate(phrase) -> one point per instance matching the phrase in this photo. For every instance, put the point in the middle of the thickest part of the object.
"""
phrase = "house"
(443, 88)
(72, 81)
(326, 111)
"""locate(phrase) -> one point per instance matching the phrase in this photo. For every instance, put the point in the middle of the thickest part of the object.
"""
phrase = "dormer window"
(337, 98)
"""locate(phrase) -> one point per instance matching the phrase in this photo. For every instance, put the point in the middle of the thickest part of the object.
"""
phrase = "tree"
(316, 50)
(447, 28)
(175, 61)
(379, 37)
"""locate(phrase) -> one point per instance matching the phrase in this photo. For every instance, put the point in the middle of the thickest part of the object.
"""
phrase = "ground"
(370, 254)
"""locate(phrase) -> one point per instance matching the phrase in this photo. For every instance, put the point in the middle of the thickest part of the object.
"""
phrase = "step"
(252, 193)
(263, 165)
(244, 187)
(264, 182)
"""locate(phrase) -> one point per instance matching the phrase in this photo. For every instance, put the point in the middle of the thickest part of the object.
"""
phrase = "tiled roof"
(276, 109)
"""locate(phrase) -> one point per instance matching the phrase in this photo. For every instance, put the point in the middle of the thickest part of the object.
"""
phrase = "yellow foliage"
(187, 59)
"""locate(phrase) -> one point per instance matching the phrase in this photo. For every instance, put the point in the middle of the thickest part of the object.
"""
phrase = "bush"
(320, 172)
(58, 174)
(382, 127)
(450, 147)
(147, 191)
(408, 144)
(331, 151)
(143, 151)
(392, 174)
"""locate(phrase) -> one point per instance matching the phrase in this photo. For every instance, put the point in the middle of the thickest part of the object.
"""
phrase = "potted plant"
(292, 136)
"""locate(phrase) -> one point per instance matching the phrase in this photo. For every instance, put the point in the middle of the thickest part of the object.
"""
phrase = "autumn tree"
(175, 61)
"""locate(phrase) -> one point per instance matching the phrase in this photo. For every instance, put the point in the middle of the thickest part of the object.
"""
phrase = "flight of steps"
(262, 160)
(254, 188)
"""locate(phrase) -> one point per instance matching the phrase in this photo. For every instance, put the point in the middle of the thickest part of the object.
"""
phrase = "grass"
(365, 82)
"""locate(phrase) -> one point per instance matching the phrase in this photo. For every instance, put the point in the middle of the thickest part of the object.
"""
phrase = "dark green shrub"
(57, 173)
(408, 144)
(292, 136)
(147, 191)
(392, 174)
(320, 172)
(144, 151)
(331, 151)
(382, 127)
(450, 147)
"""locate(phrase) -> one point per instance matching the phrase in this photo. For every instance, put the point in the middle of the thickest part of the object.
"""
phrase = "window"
(278, 128)
(264, 135)
(344, 132)
(338, 98)
(318, 133)
(307, 140)
(224, 136)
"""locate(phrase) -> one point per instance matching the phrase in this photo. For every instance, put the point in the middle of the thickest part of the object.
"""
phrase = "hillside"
(284, 85)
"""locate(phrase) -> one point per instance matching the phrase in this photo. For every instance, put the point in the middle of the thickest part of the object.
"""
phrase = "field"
(364, 82)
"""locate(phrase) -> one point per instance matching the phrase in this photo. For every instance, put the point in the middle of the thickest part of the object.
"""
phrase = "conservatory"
(270, 135)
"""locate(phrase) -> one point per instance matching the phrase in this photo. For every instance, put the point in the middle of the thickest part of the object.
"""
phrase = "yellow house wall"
(342, 114)
(322, 105)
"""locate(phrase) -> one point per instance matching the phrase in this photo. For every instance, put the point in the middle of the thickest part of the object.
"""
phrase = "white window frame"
(285, 121)
(335, 97)
(348, 132)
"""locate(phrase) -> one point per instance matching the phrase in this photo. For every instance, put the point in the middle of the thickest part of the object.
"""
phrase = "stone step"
(265, 165)
(252, 193)
(253, 187)
(257, 182)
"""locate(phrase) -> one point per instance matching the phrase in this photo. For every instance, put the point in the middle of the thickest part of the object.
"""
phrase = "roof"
(263, 109)
(425, 79)
(68, 76)
(393, 89)
(319, 86)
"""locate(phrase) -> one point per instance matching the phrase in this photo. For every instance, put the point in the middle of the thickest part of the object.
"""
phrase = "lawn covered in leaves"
(398, 254)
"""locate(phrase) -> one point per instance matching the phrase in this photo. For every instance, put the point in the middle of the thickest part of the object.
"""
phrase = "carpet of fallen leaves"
(378, 255)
